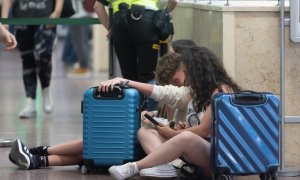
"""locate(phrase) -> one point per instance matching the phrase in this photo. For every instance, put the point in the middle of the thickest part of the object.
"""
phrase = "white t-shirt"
(178, 98)
(192, 117)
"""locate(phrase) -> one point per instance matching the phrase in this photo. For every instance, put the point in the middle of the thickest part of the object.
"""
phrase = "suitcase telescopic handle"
(249, 98)
(116, 93)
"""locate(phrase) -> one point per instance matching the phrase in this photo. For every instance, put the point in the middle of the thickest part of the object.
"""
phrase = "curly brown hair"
(166, 67)
(204, 73)
(169, 63)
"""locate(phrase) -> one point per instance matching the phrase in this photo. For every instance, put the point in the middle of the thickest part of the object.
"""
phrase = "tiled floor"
(63, 125)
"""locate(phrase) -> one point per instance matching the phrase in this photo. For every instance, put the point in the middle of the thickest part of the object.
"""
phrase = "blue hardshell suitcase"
(245, 134)
(110, 124)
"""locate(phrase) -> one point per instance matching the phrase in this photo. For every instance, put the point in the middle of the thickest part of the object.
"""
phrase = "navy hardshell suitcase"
(110, 124)
(245, 134)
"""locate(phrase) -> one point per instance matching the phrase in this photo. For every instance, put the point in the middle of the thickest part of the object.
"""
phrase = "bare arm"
(102, 14)
(57, 9)
(5, 8)
(7, 38)
(144, 88)
(203, 130)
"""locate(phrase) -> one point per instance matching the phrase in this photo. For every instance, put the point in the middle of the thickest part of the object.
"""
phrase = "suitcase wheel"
(84, 169)
(271, 176)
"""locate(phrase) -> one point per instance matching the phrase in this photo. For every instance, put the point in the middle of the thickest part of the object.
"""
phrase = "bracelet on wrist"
(125, 83)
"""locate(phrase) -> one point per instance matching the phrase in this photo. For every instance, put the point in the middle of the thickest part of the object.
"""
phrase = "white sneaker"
(29, 110)
(177, 163)
(124, 171)
(47, 101)
(164, 170)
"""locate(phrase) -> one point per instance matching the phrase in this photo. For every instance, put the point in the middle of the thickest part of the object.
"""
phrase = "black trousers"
(35, 44)
(136, 45)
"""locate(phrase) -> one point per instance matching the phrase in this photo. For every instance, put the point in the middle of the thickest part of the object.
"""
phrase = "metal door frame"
(283, 171)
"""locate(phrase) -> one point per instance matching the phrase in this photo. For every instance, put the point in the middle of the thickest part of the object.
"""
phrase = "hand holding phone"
(150, 118)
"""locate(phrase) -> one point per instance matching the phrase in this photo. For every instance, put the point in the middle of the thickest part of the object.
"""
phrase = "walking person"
(80, 37)
(35, 43)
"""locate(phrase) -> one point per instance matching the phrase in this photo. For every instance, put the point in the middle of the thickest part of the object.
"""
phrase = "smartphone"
(150, 118)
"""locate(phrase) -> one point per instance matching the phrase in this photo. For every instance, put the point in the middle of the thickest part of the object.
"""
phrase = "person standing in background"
(79, 36)
(35, 43)
(135, 40)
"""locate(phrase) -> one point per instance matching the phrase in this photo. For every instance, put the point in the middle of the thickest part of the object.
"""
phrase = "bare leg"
(60, 160)
(68, 153)
(150, 139)
(74, 148)
(193, 148)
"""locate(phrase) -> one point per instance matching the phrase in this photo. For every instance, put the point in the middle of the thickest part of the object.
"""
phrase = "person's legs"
(69, 153)
(147, 47)
(69, 148)
(80, 40)
(64, 154)
(146, 41)
(24, 36)
(149, 139)
(61, 160)
(193, 148)
(69, 56)
(43, 41)
(147, 60)
(125, 51)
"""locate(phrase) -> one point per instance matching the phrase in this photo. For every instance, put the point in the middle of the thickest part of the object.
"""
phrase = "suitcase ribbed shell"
(109, 128)
(245, 137)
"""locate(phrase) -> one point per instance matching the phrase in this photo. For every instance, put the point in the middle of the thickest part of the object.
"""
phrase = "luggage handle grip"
(116, 93)
(248, 98)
